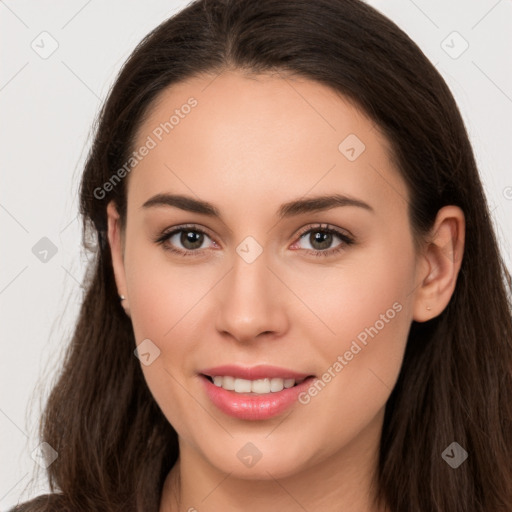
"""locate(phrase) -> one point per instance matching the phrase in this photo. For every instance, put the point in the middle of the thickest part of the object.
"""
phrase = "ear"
(116, 242)
(439, 264)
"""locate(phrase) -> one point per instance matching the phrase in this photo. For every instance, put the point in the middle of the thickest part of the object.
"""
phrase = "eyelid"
(184, 227)
(325, 227)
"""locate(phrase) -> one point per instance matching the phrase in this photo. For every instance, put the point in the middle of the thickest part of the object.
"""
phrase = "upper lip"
(253, 372)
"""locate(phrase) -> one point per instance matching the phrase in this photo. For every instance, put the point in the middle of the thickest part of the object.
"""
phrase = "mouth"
(256, 393)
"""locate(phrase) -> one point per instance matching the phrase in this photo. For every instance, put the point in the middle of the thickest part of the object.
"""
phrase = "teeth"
(276, 385)
(228, 383)
(259, 386)
(288, 383)
(242, 386)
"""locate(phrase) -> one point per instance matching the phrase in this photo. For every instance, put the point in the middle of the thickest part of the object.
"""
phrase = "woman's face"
(295, 261)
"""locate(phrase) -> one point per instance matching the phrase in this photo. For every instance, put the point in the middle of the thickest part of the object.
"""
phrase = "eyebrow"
(289, 209)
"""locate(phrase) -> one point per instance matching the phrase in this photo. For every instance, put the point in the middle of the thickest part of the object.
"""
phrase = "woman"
(298, 300)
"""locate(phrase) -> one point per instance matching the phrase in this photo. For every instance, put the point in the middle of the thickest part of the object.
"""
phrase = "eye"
(190, 240)
(184, 240)
(320, 239)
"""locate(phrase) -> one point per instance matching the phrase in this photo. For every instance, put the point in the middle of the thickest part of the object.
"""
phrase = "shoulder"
(43, 503)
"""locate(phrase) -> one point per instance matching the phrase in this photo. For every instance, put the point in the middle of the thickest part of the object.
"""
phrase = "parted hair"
(116, 447)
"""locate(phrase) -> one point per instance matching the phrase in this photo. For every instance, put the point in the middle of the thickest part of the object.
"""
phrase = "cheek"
(165, 301)
(360, 368)
(365, 308)
(162, 292)
(369, 293)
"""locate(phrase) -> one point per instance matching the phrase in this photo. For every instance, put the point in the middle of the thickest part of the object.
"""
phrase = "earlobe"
(442, 258)
(117, 251)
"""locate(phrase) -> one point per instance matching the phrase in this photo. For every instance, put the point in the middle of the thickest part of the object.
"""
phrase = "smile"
(256, 393)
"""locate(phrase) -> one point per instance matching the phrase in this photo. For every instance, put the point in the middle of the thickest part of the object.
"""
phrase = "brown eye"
(183, 240)
(191, 240)
(322, 238)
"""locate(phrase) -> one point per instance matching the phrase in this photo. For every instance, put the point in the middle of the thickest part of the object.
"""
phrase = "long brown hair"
(116, 447)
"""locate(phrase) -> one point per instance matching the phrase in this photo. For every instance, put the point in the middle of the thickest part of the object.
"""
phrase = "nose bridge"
(250, 280)
(249, 303)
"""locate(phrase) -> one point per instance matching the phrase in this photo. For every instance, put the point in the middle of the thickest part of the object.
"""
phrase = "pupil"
(191, 240)
(323, 238)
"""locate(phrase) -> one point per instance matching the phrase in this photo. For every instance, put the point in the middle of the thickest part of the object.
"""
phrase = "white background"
(47, 110)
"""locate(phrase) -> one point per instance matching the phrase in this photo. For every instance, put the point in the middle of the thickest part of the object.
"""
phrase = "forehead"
(263, 137)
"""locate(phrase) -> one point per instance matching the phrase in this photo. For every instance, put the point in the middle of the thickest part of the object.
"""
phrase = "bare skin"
(250, 145)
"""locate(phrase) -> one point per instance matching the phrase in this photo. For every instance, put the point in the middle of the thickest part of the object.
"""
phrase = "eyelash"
(325, 228)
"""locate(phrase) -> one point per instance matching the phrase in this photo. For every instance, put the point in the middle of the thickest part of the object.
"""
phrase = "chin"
(260, 459)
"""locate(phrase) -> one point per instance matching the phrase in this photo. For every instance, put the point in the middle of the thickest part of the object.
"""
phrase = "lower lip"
(247, 406)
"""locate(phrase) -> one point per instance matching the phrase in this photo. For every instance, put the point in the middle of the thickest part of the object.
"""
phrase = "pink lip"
(249, 406)
(253, 372)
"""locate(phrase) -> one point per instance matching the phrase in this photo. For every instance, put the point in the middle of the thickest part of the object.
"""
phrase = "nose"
(251, 302)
